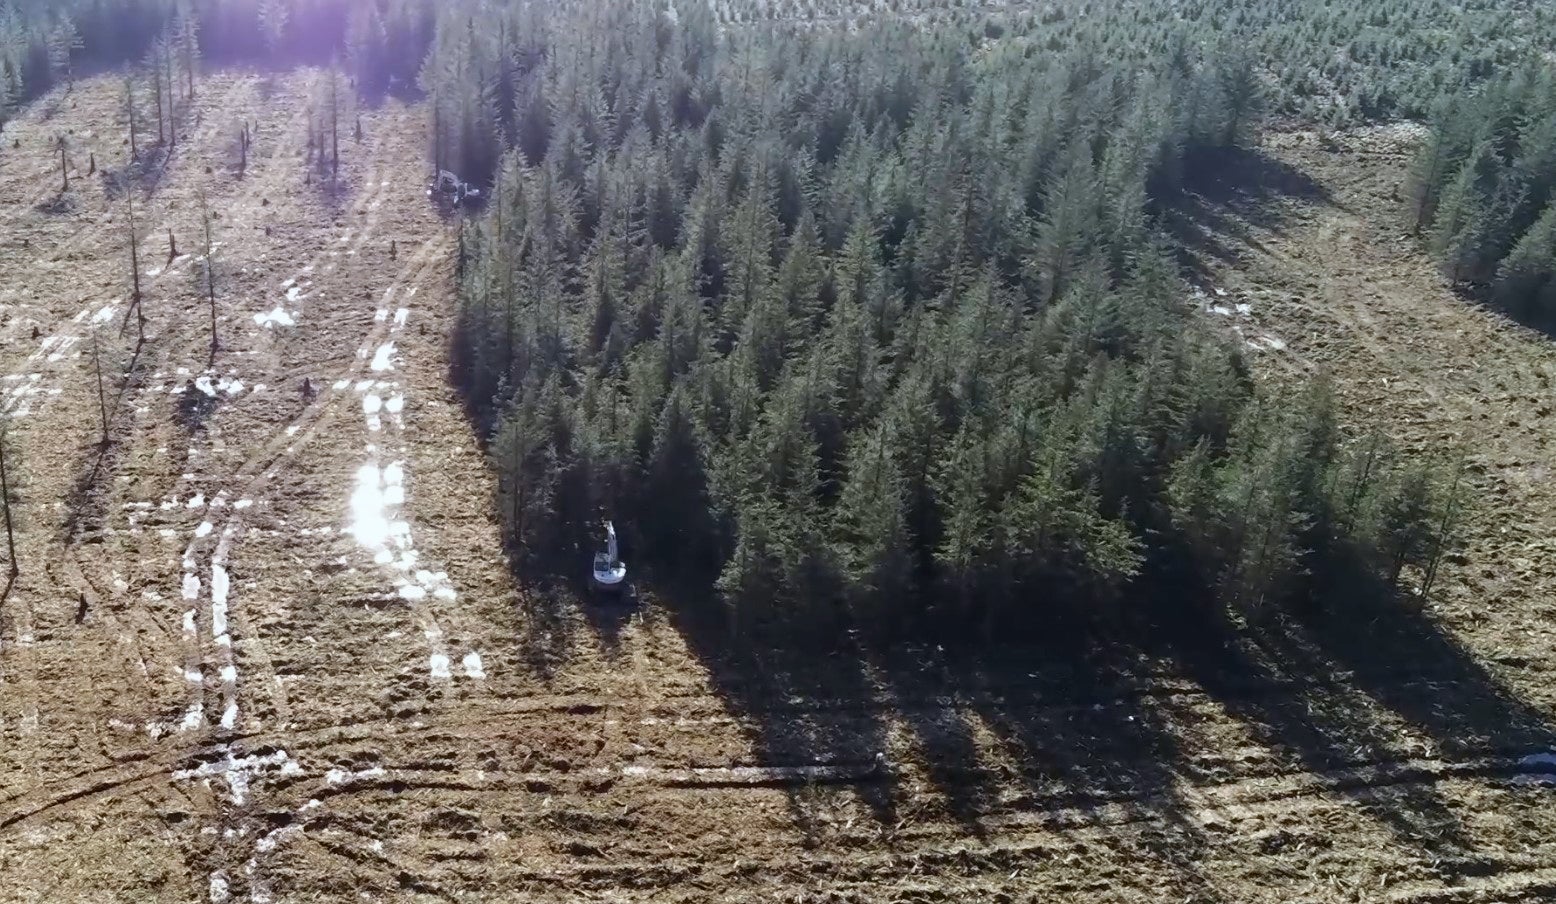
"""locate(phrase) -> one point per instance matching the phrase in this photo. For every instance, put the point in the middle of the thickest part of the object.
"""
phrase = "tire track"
(253, 190)
(380, 523)
(255, 475)
(1245, 798)
(299, 433)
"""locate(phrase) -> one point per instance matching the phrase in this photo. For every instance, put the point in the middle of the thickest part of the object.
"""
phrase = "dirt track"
(292, 685)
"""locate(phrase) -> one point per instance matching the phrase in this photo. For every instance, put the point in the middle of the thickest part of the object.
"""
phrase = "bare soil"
(286, 684)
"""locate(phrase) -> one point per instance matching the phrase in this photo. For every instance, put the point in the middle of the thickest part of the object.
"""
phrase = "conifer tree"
(1526, 281)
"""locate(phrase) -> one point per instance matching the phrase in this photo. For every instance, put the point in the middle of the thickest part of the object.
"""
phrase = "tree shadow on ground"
(805, 700)
(1226, 194)
(1077, 730)
(142, 174)
(1354, 688)
(548, 629)
(62, 204)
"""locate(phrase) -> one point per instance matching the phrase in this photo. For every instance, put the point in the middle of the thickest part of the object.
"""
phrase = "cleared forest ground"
(291, 684)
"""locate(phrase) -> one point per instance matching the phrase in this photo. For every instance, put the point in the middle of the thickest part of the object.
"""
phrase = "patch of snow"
(381, 359)
(219, 888)
(473, 665)
(340, 776)
(276, 317)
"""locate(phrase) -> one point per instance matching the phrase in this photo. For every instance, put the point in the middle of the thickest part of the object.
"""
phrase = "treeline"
(880, 320)
(44, 43)
(1318, 60)
(1323, 61)
(1485, 192)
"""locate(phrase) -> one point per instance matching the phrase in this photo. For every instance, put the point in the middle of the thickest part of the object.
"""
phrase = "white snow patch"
(277, 317)
(238, 771)
(473, 665)
(219, 888)
(340, 776)
(381, 358)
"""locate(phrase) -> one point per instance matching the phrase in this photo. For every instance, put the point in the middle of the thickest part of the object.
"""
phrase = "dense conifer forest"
(879, 317)
(885, 317)
(1484, 183)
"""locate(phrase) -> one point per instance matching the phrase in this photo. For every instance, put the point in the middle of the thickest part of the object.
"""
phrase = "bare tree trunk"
(161, 115)
(102, 398)
(134, 256)
(129, 109)
(334, 125)
(5, 506)
(135, 294)
(172, 109)
(210, 275)
(64, 170)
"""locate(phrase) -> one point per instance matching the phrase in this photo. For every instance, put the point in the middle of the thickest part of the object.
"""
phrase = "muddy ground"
(266, 647)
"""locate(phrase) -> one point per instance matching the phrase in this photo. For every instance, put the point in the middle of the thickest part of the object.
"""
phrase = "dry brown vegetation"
(596, 755)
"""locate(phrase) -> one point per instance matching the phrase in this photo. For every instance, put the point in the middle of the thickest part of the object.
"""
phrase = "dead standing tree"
(163, 80)
(129, 114)
(168, 72)
(102, 395)
(7, 460)
(334, 107)
(135, 288)
(210, 273)
(244, 140)
(64, 166)
(156, 84)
